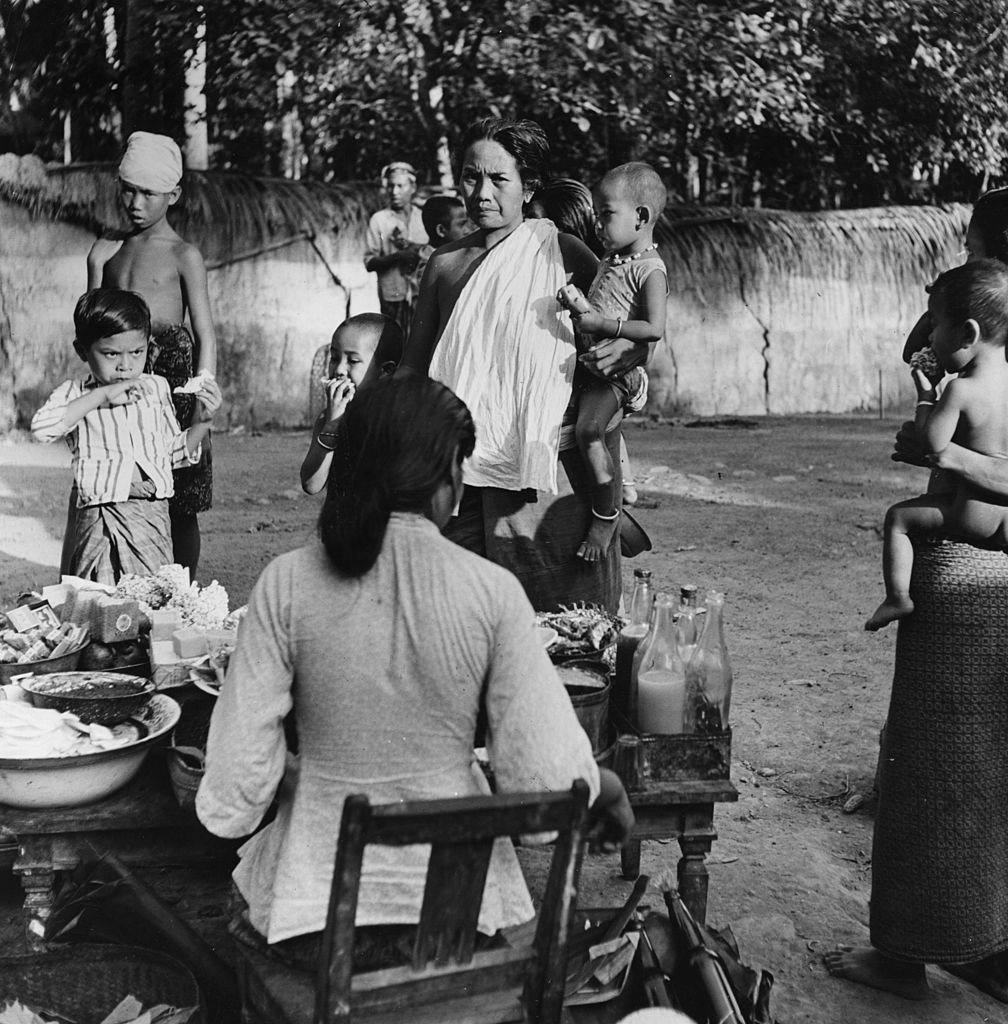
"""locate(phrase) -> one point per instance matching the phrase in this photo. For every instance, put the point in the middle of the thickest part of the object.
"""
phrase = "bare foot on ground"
(867, 966)
(891, 609)
(990, 975)
(600, 536)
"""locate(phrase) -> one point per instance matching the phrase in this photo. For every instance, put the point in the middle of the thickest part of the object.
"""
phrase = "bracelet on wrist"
(322, 444)
(619, 327)
(924, 401)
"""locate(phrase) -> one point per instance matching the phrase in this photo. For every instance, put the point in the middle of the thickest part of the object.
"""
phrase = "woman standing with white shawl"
(488, 325)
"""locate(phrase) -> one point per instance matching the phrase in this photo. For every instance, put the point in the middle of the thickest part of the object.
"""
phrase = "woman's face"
(492, 187)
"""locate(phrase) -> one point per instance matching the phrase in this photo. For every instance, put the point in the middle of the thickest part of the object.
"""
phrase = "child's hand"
(926, 391)
(123, 392)
(591, 322)
(339, 391)
(140, 487)
(208, 400)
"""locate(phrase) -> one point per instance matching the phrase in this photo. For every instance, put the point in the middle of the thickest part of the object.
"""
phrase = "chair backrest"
(446, 975)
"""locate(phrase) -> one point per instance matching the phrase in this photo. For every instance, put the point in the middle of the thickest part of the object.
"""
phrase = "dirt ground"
(780, 514)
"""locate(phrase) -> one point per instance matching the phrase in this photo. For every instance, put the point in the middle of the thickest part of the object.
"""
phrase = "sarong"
(508, 352)
(940, 853)
(121, 537)
(536, 536)
(173, 357)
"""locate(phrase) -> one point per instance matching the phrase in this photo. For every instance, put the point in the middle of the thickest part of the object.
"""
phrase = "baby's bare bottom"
(955, 516)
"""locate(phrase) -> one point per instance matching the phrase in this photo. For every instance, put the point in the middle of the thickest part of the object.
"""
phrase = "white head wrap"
(152, 162)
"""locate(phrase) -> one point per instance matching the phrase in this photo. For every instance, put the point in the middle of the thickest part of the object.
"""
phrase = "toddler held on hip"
(626, 300)
(968, 315)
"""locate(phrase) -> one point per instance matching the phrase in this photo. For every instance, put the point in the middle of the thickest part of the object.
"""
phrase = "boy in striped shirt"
(122, 432)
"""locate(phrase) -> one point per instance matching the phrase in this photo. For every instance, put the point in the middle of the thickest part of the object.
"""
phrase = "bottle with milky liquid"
(709, 674)
(639, 615)
(660, 673)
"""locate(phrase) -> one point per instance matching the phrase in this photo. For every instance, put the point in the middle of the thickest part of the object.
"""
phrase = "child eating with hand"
(626, 300)
(363, 348)
(968, 314)
(124, 440)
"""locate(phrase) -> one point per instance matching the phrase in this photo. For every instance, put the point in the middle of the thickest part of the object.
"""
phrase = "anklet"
(608, 519)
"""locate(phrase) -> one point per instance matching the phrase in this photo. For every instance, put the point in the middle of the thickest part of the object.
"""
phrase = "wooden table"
(673, 783)
(142, 824)
(682, 810)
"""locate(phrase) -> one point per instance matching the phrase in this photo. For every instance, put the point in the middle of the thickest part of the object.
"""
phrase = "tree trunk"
(291, 151)
(444, 167)
(113, 119)
(137, 44)
(197, 149)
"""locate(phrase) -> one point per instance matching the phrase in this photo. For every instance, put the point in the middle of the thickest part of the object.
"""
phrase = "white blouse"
(384, 673)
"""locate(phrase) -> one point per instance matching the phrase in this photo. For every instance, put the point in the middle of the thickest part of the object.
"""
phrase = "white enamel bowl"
(73, 781)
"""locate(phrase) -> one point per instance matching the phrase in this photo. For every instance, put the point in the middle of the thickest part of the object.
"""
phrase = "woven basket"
(85, 982)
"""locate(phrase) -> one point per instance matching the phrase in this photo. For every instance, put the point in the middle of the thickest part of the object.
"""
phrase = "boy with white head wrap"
(151, 162)
(169, 273)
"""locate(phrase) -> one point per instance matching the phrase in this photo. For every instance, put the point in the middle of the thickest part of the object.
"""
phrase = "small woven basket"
(85, 982)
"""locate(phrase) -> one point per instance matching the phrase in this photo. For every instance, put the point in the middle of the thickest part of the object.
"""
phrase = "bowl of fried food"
(105, 698)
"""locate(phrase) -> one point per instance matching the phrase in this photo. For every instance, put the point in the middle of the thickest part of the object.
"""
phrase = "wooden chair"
(447, 981)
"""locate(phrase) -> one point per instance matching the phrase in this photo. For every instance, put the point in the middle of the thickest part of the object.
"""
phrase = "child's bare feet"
(867, 966)
(891, 609)
(599, 537)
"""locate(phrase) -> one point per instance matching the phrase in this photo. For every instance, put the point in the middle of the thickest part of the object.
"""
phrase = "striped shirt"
(108, 443)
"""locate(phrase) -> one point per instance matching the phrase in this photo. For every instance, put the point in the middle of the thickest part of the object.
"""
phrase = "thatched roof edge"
(222, 212)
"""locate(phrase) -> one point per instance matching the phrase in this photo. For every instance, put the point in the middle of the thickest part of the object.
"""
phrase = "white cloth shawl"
(508, 352)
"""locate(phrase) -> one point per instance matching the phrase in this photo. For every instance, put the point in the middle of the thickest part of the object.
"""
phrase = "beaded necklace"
(616, 260)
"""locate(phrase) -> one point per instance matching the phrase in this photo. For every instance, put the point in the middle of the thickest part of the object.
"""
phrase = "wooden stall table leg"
(38, 879)
(630, 859)
(693, 879)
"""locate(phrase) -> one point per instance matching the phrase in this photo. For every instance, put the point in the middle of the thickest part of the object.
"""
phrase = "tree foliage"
(791, 103)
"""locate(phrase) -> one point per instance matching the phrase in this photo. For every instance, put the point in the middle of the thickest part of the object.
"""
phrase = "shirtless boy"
(968, 312)
(169, 273)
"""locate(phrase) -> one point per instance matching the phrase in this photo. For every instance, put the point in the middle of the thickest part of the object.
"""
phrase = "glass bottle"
(709, 674)
(687, 624)
(660, 673)
(639, 615)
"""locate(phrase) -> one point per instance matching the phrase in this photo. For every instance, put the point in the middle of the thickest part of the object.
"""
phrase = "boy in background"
(394, 237)
(168, 272)
(968, 311)
(363, 348)
(445, 220)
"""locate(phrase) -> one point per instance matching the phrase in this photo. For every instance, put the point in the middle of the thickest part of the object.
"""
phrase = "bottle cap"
(642, 574)
(687, 590)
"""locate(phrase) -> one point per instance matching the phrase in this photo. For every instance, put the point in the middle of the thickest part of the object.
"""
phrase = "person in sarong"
(124, 440)
(940, 851)
(488, 325)
(169, 273)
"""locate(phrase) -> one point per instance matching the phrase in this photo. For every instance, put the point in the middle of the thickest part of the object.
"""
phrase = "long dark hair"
(990, 218)
(398, 442)
(524, 140)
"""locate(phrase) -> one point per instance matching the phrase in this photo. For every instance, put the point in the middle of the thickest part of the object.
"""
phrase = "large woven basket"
(85, 982)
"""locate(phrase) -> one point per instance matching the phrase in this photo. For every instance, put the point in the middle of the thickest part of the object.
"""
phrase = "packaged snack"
(190, 643)
(117, 618)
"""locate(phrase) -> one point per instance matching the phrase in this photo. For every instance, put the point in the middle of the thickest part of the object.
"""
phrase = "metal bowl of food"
(106, 698)
(64, 663)
(84, 778)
